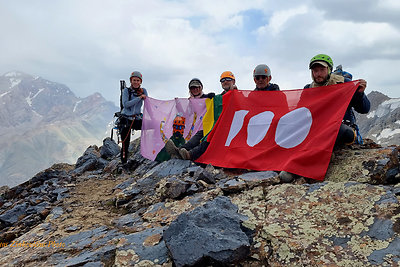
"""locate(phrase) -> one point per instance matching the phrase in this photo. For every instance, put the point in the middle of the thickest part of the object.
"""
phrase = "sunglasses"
(178, 127)
(260, 77)
(226, 79)
(194, 87)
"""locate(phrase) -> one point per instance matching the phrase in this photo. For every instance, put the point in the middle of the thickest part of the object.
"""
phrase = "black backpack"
(119, 121)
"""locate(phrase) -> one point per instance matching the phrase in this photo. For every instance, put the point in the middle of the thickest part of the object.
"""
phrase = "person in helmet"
(177, 138)
(321, 67)
(194, 148)
(132, 101)
(227, 80)
(262, 77)
(196, 89)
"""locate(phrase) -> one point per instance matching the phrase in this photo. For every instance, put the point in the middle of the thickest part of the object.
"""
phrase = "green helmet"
(321, 59)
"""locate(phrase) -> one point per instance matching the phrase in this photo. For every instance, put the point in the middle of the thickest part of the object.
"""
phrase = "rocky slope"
(43, 122)
(99, 213)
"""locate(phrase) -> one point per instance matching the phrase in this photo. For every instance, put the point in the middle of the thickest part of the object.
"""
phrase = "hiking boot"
(172, 150)
(286, 177)
(184, 154)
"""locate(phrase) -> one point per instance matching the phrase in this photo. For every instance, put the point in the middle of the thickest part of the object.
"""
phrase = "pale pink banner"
(158, 118)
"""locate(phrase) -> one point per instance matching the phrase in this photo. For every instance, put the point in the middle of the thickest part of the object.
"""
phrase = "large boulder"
(109, 149)
(211, 234)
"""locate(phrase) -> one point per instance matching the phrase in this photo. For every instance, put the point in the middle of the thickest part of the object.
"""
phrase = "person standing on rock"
(131, 119)
(321, 67)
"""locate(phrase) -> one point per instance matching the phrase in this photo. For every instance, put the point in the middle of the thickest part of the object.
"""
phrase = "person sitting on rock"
(321, 72)
(177, 138)
(321, 67)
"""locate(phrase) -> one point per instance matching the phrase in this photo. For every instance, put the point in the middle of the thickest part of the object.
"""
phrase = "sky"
(91, 45)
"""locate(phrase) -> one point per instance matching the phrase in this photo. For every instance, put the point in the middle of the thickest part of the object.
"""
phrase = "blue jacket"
(131, 102)
(359, 102)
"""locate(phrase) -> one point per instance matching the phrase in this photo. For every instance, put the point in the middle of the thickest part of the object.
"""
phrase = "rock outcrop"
(143, 213)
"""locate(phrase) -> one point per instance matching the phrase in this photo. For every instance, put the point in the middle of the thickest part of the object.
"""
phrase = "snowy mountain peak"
(381, 124)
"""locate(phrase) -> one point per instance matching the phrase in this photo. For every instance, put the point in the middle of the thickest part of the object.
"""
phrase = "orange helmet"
(227, 74)
(179, 124)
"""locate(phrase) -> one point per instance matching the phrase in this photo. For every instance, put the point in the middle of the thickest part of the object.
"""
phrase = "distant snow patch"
(76, 105)
(29, 98)
(3, 94)
(37, 113)
(11, 74)
(385, 108)
(386, 133)
(371, 114)
(14, 82)
(392, 103)
(397, 122)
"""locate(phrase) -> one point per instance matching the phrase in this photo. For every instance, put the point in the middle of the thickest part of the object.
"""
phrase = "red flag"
(294, 130)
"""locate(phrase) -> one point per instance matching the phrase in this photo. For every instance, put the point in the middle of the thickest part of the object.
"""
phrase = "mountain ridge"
(382, 123)
(43, 122)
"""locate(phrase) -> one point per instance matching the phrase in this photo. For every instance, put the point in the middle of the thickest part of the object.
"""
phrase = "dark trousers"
(346, 135)
(194, 141)
(197, 151)
(195, 147)
(128, 126)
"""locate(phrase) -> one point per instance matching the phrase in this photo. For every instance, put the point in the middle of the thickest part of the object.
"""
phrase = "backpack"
(339, 71)
(119, 121)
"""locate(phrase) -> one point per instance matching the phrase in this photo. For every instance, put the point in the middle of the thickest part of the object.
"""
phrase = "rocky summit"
(176, 213)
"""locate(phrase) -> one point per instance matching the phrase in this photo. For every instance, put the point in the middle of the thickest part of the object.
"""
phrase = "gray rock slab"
(109, 149)
(147, 245)
(170, 167)
(378, 256)
(12, 216)
(175, 188)
(211, 233)
(82, 239)
(257, 178)
(381, 229)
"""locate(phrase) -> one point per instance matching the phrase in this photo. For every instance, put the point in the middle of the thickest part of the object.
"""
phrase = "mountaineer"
(321, 72)
(131, 116)
(196, 89)
(262, 77)
(321, 67)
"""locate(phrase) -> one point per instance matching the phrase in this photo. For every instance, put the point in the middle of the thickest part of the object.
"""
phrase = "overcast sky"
(90, 45)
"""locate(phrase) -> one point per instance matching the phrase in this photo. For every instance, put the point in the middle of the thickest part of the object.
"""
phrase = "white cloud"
(352, 34)
(279, 19)
(90, 45)
(389, 4)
